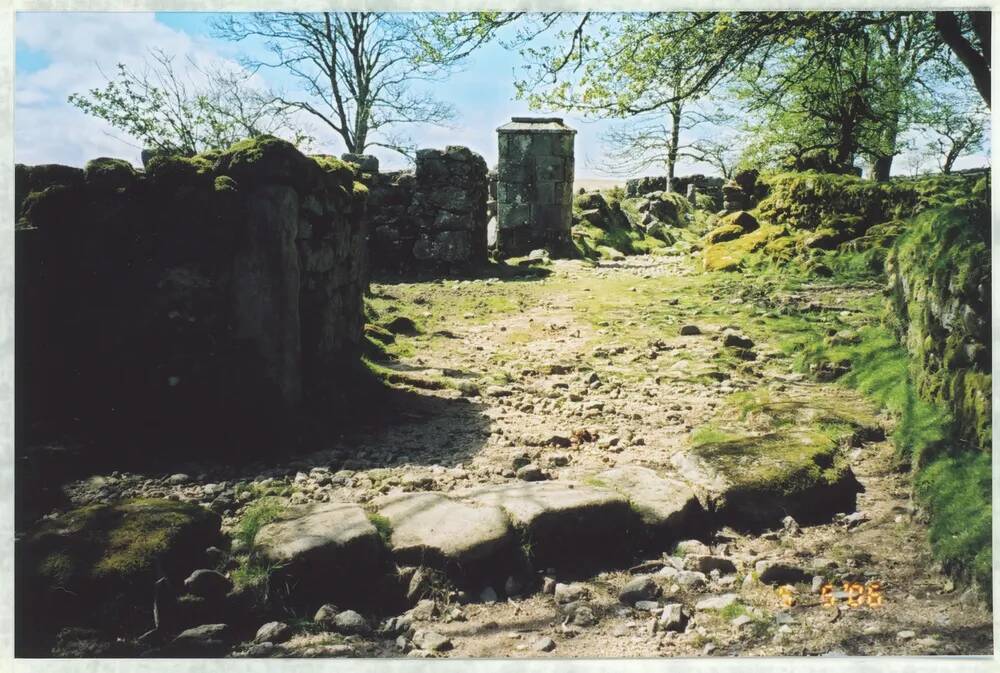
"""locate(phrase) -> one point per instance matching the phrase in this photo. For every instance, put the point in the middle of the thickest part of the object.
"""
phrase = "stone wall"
(432, 218)
(534, 186)
(198, 303)
(939, 290)
(708, 185)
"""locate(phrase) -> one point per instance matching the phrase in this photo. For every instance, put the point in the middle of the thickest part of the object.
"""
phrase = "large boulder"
(327, 551)
(563, 523)
(668, 508)
(431, 529)
(98, 565)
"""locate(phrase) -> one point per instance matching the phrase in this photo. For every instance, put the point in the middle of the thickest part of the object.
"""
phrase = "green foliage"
(957, 493)
(224, 183)
(382, 525)
(260, 513)
(165, 109)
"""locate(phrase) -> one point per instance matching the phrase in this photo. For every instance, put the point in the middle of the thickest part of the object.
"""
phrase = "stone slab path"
(555, 420)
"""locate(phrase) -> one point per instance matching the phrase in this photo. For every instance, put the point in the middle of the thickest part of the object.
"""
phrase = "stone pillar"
(534, 185)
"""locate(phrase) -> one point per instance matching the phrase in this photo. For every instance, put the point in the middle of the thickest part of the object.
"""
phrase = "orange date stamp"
(851, 595)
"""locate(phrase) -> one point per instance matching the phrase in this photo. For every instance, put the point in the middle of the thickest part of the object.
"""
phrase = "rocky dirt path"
(560, 378)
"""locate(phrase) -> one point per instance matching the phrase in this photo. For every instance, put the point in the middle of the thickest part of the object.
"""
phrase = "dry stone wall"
(432, 218)
(200, 302)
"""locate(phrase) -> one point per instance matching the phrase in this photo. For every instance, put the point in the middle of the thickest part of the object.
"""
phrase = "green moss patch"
(781, 455)
(120, 545)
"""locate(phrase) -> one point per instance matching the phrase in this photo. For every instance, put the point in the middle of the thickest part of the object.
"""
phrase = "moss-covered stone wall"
(939, 290)
(200, 301)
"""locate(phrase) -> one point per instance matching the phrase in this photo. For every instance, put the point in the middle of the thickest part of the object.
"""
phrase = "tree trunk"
(881, 168)
(675, 134)
(977, 63)
(949, 160)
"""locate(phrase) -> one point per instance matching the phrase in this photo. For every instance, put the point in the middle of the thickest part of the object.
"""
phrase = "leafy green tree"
(958, 126)
(203, 109)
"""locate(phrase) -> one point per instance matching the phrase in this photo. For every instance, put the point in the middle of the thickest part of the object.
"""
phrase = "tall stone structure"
(534, 185)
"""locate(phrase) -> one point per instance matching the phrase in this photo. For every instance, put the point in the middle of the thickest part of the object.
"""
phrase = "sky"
(60, 53)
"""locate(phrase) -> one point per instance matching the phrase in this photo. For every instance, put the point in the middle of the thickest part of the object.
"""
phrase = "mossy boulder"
(173, 171)
(731, 255)
(267, 160)
(105, 173)
(776, 456)
(725, 232)
(342, 171)
(742, 219)
(97, 565)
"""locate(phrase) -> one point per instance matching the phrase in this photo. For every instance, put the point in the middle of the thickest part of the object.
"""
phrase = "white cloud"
(78, 47)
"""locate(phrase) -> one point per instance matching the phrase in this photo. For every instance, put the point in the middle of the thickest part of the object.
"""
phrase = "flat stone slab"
(563, 521)
(668, 507)
(431, 529)
(328, 548)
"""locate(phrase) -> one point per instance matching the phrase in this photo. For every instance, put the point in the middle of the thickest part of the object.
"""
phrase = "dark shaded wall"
(197, 304)
(432, 218)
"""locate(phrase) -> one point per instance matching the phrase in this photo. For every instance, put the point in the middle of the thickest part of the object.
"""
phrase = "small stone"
(325, 614)
(673, 618)
(638, 589)
(790, 526)
(531, 472)
(716, 602)
(263, 649)
(178, 479)
(350, 622)
(544, 644)
(204, 640)
(273, 632)
(691, 579)
(733, 339)
(210, 584)
(690, 330)
(424, 610)
(817, 584)
(906, 635)
(488, 595)
(569, 593)
(741, 621)
(646, 606)
(548, 585)
(430, 641)
(688, 547)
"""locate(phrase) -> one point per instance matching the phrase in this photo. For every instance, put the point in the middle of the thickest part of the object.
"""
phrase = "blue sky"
(62, 53)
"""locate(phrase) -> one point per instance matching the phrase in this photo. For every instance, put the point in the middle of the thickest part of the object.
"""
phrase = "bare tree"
(358, 70)
(723, 155)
